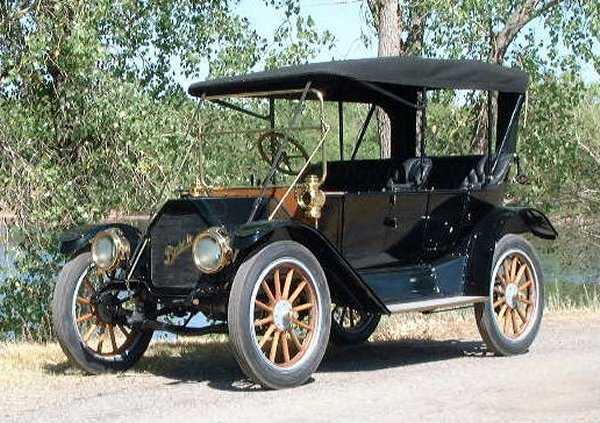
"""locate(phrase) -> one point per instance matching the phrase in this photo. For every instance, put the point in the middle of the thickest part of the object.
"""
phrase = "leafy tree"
(92, 117)
(496, 31)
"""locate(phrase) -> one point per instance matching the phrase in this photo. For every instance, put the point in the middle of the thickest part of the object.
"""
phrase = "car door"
(445, 218)
(405, 227)
(363, 228)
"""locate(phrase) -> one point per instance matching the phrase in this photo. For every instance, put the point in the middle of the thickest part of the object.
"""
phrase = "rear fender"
(74, 242)
(345, 285)
(482, 241)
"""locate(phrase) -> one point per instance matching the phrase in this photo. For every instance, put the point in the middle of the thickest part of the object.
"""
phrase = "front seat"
(416, 172)
(476, 177)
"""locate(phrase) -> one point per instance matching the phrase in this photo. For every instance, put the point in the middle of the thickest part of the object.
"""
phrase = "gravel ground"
(442, 381)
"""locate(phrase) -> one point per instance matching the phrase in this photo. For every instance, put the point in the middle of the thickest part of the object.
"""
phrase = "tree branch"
(516, 22)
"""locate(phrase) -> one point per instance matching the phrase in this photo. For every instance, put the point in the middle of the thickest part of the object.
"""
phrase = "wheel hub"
(108, 308)
(512, 291)
(282, 314)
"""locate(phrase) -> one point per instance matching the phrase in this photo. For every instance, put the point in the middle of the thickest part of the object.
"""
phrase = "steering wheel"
(293, 156)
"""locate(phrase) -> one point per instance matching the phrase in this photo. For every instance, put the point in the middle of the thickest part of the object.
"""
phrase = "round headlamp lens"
(207, 254)
(104, 251)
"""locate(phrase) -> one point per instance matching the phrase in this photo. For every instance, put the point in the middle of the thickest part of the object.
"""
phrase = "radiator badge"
(174, 251)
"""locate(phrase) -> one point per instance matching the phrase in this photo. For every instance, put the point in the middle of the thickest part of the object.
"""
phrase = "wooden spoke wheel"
(90, 321)
(285, 311)
(514, 294)
(510, 319)
(350, 326)
(100, 319)
(279, 315)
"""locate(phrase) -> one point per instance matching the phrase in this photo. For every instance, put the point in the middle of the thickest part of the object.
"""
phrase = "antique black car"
(284, 268)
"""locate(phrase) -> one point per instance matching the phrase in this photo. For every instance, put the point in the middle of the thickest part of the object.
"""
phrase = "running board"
(429, 305)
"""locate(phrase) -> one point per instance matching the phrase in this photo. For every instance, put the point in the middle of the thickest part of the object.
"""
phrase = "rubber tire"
(243, 346)
(66, 332)
(492, 335)
(341, 337)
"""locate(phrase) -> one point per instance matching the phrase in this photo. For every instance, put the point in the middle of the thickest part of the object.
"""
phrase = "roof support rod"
(294, 121)
(509, 129)
(341, 128)
(363, 130)
(393, 96)
(240, 109)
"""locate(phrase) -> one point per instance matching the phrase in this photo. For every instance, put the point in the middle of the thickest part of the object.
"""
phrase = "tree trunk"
(386, 17)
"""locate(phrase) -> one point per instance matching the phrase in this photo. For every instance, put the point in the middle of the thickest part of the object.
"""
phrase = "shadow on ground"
(214, 363)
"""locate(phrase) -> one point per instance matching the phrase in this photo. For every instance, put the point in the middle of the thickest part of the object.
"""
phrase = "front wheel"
(510, 319)
(279, 315)
(90, 320)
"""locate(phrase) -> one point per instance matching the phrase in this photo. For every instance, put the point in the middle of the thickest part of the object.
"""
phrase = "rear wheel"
(90, 320)
(510, 319)
(278, 315)
(350, 326)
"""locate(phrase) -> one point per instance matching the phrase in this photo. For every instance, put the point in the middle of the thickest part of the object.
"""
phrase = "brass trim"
(311, 199)
(121, 245)
(222, 239)
(321, 145)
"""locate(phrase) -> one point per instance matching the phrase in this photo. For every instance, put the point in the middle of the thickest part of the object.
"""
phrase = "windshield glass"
(238, 138)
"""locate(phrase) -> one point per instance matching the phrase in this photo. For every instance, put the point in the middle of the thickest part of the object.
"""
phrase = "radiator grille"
(174, 231)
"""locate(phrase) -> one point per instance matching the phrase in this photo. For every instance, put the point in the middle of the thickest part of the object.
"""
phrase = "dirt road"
(440, 381)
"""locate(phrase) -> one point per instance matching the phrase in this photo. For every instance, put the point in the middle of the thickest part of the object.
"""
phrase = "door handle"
(393, 222)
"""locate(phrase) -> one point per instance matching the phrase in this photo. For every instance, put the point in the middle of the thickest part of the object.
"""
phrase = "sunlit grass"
(24, 363)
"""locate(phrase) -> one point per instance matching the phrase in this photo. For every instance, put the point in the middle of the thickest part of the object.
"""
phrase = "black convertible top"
(354, 80)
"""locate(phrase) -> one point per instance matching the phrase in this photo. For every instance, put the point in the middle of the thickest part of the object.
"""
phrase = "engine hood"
(214, 211)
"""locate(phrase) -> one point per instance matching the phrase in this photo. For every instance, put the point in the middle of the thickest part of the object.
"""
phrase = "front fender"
(78, 240)
(345, 283)
(482, 241)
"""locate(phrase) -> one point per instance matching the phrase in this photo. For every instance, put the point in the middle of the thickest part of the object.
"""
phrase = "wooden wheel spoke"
(101, 341)
(113, 341)
(285, 347)
(288, 283)
(301, 324)
(274, 345)
(526, 285)
(263, 306)
(515, 324)
(506, 322)
(521, 315)
(520, 273)
(124, 330)
(267, 335)
(89, 333)
(502, 311)
(499, 302)
(525, 301)
(303, 307)
(268, 291)
(85, 317)
(506, 266)
(295, 340)
(262, 322)
(513, 268)
(83, 301)
(297, 292)
(277, 281)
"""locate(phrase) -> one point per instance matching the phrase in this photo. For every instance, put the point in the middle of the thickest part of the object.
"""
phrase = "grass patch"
(25, 363)
(567, 297)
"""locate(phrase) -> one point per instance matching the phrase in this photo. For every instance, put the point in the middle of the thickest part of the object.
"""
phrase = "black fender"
(345, 284)
(482, 241)
(78, 240)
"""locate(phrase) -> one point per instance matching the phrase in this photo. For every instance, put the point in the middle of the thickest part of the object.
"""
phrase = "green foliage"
(93, 120)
